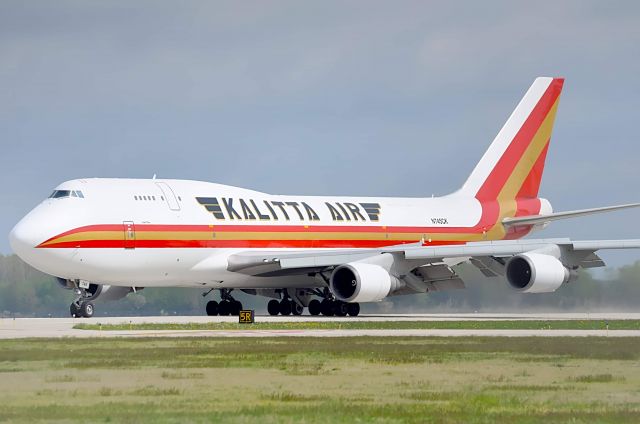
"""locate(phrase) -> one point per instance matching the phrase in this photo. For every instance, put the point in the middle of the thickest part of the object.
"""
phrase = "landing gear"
(293, 303)
(223, 308)
(75, 310)
(326, 307)
(212, 308)
(314, 307)
(227, 306)
(83, 309)
(273, 307)
(285, 307)
(86, 309)
(338, 308)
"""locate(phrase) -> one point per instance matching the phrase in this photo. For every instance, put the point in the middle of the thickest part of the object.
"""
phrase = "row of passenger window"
(147, 197)
(152, 198)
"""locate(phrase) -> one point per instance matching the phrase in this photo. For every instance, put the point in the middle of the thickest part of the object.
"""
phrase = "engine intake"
(536, 273)
(361, 282)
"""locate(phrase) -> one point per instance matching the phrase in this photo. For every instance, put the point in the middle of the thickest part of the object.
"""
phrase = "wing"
(546, 218)
(427, 268)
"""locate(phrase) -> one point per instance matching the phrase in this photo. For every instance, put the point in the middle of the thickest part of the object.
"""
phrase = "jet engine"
(536, 273)
(361, 282)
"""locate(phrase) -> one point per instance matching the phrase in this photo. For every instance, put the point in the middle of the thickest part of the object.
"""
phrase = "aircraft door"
(129, 234)
(169, 196)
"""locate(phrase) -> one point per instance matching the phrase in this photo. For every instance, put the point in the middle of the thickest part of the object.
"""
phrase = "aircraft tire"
(236, 307)
(224, 308)
(314, 307)
(87, 309)
(273, 307)
(212, 308)
(285, 307)
(353, 309)
(327, 307)
(341, 309)
(296, 308)
(74, 310)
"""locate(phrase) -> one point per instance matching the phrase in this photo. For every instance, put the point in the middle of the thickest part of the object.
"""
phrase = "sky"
(370, 98)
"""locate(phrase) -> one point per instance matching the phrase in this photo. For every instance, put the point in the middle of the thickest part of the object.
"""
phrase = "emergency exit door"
(129, 235)
(169, 196)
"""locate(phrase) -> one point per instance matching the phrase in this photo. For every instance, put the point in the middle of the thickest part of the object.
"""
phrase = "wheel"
(285, 307)
(236, 307)
(86, 309)
(212, 308)
(297, 309)
(224, 308)
(74, 310)
(326, 307)
(353, 309)
(314, 307)
(341, 309)
(273, 307)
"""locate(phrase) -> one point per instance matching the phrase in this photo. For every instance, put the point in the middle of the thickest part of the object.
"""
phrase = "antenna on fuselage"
(154, 177)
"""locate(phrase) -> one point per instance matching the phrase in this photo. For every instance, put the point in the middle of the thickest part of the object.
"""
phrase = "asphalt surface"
(63, 327)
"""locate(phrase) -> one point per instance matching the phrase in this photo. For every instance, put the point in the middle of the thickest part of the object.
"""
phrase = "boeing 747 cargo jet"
(104, 238)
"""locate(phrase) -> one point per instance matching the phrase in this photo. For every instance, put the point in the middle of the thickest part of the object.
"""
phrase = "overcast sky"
(337, 98)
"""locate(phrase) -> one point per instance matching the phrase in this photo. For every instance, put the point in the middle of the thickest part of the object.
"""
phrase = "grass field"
(380, 325)
(319, 380)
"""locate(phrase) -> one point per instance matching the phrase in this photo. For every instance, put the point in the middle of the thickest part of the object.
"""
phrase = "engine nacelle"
(536, 273)
(361, 282)
(114, 292)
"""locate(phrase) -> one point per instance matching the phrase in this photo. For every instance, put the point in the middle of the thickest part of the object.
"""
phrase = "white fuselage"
(128, 232)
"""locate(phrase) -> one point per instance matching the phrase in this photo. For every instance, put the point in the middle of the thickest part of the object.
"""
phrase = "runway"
(19, 328)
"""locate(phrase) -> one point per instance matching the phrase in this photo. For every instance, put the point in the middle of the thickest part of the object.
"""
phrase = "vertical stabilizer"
(512, 166)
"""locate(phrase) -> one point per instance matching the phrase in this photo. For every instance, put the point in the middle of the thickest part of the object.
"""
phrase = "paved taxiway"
(63, 327)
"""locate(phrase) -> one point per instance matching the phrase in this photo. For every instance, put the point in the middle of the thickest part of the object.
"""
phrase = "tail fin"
(512, 166)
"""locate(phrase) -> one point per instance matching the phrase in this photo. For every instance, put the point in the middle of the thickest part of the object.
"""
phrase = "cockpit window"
(57, 194)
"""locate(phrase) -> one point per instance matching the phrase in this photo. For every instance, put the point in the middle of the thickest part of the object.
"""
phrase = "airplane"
(104, 238)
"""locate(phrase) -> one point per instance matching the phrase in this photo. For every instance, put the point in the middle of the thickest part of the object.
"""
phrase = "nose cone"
(41, 224)
(24, 238)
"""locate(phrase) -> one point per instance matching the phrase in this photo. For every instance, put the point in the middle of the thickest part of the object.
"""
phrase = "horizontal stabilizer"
(542, 219)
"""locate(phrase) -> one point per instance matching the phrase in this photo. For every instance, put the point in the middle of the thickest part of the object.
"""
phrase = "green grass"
(320, 380)
(379, 325)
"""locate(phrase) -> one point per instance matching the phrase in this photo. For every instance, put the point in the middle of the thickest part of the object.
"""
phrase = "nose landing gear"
(82, 307)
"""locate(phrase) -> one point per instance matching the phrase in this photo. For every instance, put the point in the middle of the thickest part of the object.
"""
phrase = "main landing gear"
(284, 307)
(328, 306)
(331, 307)
(227, 305)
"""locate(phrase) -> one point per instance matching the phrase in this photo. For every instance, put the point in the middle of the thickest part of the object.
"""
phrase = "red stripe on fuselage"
(300, 244)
